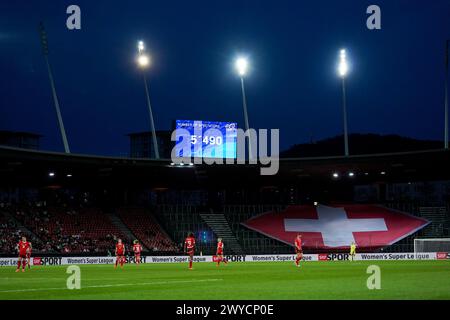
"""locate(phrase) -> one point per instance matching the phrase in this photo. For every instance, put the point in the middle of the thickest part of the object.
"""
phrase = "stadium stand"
(159, 204)
(11, 231)
(9, 234)
(254, 242)
(181, 219)
(144, 226)
(90, 231)
(80, 230)
(436, 213)
(220, 226)
(67, 230)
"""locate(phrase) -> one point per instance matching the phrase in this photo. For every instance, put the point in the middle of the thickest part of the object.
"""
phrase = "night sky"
(395, 85)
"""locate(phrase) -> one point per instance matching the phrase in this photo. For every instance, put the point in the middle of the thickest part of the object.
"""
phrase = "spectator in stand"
(78, 229)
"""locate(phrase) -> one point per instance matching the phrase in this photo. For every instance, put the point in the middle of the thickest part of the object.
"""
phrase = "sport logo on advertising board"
(50, 261)
(338, 256)
(132, 259)
(323, 256)
(235, 258)
(442, 255)
(333, 256)
(37, 261)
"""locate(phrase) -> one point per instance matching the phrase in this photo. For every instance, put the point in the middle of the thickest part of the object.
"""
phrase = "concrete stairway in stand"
(115, 219)
(219, 225)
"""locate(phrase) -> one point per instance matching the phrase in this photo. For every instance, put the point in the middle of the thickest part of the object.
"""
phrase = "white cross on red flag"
(336, 227)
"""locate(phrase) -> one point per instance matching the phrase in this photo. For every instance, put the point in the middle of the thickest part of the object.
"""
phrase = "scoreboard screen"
(208, 139)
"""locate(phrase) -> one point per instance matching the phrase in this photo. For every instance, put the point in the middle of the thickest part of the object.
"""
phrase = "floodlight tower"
(446, 97)
(44, 43)
(241, 65)
(143, 62)
(343, 70)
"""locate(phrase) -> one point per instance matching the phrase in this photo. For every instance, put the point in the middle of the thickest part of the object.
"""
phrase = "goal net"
(431, 245)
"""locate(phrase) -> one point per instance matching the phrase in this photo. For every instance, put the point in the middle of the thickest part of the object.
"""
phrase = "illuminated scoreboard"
(207, 139)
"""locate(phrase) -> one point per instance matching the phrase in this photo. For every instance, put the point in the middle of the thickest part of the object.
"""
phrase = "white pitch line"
(113, 285)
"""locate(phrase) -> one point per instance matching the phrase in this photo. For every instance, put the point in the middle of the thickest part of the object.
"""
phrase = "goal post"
(431, 245)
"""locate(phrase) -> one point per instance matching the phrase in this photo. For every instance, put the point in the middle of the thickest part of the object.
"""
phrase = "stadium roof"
(19, 133)
(29, 167)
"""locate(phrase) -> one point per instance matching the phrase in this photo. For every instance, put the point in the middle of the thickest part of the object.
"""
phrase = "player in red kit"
(120, 253)
(219, 252)
(298, 249)
(137, 249)
(23, 247)
(189, 248)
(29, 256)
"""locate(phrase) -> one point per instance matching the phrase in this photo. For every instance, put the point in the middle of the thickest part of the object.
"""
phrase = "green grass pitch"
(245, 280)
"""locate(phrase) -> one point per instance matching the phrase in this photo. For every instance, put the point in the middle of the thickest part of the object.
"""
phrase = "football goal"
(431, 245)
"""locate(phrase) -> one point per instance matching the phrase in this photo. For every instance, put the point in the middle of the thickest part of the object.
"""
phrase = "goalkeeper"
(353, 250)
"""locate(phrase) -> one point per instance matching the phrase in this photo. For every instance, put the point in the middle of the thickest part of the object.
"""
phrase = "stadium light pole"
(44, 44)
(143, 62)
(446, 97)
(343, 70)
(242, 68)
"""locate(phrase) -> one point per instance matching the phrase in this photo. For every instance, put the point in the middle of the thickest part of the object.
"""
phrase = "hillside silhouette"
(360, 144)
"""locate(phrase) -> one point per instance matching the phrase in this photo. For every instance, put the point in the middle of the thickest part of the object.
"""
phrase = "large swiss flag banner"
(336, 227)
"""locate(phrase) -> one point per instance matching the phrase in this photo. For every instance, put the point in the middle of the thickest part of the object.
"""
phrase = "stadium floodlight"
(383, 173)
(51, 174)
(343, 65)
(143, 61)
(241, 66)
(351, 174)
(141, 46)
(69, 175)
(335, 175)
(343, 70)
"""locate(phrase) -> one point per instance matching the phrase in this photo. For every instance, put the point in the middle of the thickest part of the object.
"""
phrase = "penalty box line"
(113, 285)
